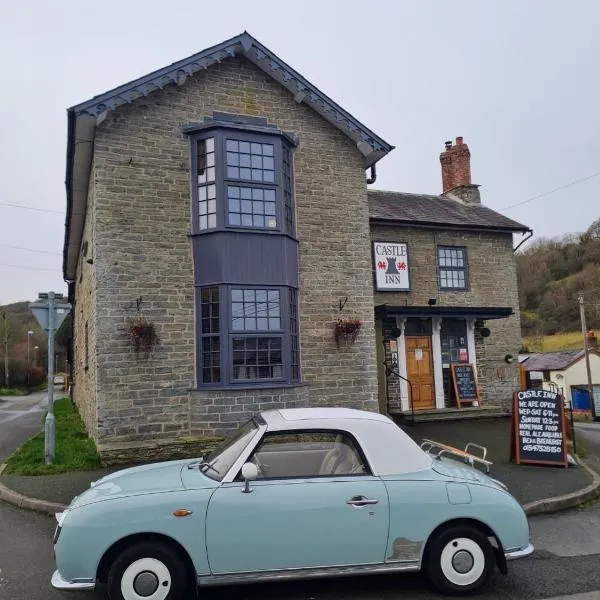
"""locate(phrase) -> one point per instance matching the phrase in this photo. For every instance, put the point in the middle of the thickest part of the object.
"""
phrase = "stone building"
(219, 255)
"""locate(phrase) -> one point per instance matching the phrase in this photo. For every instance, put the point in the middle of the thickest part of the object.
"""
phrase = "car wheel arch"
(119, 546)
(480, 525)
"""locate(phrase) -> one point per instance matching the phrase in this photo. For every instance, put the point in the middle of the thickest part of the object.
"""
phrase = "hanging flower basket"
(346, 331)
(142, 335)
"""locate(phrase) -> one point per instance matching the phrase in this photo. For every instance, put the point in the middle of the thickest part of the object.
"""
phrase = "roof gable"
(370, 145)
(436, 211)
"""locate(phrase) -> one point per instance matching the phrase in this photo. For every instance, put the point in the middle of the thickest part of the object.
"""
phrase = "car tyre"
(459, 560)
(148, 570)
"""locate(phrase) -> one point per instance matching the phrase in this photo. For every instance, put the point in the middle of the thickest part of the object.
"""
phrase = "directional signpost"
(50, 311)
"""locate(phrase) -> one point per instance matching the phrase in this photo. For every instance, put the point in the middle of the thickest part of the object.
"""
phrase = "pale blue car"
(295, 493)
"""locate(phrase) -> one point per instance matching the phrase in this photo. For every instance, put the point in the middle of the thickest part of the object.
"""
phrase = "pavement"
(538, 488)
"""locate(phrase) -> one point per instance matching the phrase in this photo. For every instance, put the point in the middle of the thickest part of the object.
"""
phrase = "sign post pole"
(50, 311)
(50, 428)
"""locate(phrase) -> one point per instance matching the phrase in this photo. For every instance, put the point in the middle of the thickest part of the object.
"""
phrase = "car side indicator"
(182, 512)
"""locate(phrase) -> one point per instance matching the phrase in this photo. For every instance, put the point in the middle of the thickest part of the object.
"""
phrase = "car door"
(315, 504)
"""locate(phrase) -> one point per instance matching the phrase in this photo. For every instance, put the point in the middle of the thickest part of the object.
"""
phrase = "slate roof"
(552, 361)
(425, 209)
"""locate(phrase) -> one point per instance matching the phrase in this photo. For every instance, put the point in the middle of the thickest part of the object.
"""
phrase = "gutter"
(446, 226)
(68, 184)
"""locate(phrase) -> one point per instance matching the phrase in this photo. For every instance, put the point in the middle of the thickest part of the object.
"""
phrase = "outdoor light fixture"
(432, 301)
(395, 332)
(485, 332)
(509, 358)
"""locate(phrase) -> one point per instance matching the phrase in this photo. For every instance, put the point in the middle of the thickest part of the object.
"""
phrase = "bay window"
(247, 301)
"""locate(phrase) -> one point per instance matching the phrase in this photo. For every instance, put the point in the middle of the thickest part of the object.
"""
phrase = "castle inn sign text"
(391, 266)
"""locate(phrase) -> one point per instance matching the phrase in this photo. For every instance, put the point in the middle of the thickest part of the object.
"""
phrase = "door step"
(449, 414)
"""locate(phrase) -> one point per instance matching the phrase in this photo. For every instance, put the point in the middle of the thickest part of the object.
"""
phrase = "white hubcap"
(462, 561)
(146, 579)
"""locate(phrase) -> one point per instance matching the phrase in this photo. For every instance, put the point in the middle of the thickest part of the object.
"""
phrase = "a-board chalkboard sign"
(465, 383)
(538, 428)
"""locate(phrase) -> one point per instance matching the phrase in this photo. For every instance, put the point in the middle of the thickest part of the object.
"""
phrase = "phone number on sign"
(536, 448)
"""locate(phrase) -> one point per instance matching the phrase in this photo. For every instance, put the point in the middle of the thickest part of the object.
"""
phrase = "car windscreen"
(220, 460)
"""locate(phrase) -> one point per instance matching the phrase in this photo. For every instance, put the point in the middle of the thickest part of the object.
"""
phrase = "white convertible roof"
(387, 448)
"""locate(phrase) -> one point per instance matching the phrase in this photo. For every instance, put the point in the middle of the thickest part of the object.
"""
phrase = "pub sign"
(391, 266)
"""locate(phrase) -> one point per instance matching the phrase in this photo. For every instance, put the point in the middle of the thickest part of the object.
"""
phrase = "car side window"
(308, 454)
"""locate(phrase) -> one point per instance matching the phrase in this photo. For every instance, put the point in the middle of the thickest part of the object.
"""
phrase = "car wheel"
(147, 571)
(459, 560)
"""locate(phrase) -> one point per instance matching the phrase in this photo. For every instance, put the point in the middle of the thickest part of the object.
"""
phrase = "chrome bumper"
(519, 553)
(59, 583)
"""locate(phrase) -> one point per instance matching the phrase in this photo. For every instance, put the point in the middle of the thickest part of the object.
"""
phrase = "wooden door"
(419, 370)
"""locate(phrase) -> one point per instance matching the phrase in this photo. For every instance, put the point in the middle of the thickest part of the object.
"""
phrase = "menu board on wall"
(538, 428)
(465, 383)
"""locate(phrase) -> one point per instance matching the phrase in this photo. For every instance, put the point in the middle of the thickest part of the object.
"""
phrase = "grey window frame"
(227, 333)
(221, 134)
(464, 268)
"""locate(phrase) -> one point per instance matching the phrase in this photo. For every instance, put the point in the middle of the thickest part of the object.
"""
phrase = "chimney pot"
(459, 140)
(448, 145)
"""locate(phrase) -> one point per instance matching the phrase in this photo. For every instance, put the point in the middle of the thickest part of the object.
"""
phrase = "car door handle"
(361, 501)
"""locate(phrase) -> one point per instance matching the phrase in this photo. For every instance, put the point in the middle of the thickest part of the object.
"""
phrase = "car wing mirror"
(249, 473)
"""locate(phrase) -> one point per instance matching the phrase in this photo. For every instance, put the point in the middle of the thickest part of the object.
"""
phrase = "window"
(257, 358)
(207, 191)
(222, 458)
(288, 208)
(251, 161)
(248, 335)
(251, 207)
(211, 342)
(308, 454)
(452, 262)
(254, 310)
(295, 362)
(243, 179)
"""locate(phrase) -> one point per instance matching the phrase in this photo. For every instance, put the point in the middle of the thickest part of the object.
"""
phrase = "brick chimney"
(456, 173)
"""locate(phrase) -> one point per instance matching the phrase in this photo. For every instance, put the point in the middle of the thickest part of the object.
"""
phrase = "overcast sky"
(517, 78)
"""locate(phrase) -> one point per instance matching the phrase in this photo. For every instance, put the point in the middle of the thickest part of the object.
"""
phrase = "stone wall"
(84, 314)
(492, 282)
(143, 251)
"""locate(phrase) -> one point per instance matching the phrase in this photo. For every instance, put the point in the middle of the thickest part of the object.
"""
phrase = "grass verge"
(75, 451)
(13, 392)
